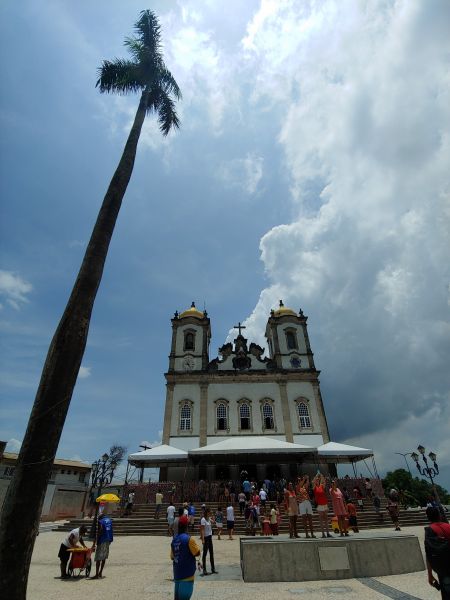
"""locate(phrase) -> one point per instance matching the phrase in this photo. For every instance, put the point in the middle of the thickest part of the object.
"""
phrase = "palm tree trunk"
(23, 503)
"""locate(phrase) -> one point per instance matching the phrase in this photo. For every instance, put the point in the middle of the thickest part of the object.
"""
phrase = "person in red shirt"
(437, 551)
(321, 499)
(352, 518)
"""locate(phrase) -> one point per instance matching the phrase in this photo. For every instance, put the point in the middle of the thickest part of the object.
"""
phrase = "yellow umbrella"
(108, 498)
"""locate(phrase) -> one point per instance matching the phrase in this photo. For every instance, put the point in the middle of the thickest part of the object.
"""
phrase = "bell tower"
(191, 334)
(288, 340)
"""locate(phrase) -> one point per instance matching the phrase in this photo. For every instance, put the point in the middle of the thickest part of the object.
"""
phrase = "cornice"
(276, 376)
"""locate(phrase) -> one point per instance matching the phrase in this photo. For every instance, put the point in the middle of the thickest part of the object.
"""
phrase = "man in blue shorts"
(183, 551)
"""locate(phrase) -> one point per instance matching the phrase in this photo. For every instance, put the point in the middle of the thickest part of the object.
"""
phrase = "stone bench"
(367, 554)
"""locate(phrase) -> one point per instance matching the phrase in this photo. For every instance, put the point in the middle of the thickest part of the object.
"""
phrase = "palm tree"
(145, 73)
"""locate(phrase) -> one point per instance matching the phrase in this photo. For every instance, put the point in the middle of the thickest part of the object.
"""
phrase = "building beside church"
(242, 409)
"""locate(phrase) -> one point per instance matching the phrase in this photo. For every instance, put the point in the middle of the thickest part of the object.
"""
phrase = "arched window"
(189, 340)
(303, 415)
(267, 410)
(222, 421)
(244, 416)
(291, 340)
(185, 417)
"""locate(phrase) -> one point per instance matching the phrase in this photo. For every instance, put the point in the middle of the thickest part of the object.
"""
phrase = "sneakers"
(329, 535)
(214, 572)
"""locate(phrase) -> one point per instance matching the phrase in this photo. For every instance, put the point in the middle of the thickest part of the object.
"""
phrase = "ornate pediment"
(238, 356)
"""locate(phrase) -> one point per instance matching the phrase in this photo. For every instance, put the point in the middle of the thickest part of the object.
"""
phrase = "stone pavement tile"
(139, 567)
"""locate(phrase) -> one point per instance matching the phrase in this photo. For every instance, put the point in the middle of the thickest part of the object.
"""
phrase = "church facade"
(241, 394)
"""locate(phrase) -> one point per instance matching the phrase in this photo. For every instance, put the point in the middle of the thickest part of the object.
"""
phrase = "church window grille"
(303, 415)
(189, 340)
(291, 340)
(222, 424)
(185, 417)
(244, 415)
(268, 416)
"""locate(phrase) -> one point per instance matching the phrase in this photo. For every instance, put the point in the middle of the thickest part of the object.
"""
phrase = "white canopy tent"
(158, 456)
(249, 447)
(336, 451)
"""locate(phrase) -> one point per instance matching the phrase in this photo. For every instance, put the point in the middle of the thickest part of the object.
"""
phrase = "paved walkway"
(140, 568)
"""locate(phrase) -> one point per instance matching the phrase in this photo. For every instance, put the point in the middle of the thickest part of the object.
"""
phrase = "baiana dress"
(337, 500)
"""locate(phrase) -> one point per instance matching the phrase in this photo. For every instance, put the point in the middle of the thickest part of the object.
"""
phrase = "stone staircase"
(142, 521)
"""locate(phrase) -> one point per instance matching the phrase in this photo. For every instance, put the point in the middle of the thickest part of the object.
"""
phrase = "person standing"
(170, 518)
(206, 537)
(101, 545)
(183, 551)
(292, 510)
(393, 510)
(320, 497)
(219, 521)
(71, 541)
(352, 516)
(230, 520)
(304, 505)
(242, 502)
(130, 502)
(191, 515)
(274, 514)
(247, 488)
(337, 500)
(437, 551)
(263, 496)
(158, 502)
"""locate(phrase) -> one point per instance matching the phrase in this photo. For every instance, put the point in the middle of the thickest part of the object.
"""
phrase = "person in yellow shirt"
(183, 551)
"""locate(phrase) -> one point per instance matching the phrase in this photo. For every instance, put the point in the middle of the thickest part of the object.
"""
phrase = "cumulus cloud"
(84, 372)
(13, 445)
(14, 289)
(367, 122)
(242, 173)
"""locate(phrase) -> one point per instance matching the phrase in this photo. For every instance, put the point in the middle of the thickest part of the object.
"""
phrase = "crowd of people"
(261, 505)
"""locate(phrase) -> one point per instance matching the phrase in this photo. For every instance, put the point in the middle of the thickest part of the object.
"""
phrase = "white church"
(243, 410)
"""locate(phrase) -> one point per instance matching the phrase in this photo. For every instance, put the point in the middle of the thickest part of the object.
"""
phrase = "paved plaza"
(139, 567)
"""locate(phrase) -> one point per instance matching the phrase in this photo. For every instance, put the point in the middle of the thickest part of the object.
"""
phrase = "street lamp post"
(101, 474)
(427, 470)
(404, 456)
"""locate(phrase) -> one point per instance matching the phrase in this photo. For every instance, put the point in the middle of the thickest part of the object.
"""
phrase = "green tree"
(147, 74)
(417, 491)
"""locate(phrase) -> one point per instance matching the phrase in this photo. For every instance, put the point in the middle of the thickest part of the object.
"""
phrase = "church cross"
(239, 326)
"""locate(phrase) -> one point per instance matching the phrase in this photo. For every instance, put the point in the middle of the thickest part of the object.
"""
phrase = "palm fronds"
(146, 72)
(120, 76)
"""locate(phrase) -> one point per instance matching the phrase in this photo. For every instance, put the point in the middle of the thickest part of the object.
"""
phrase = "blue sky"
(311, 165)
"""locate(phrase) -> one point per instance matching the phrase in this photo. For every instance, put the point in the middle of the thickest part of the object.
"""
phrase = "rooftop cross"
(239, 326)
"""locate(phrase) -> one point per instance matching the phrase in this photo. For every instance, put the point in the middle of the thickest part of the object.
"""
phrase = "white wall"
(254, 391)
(184, 443)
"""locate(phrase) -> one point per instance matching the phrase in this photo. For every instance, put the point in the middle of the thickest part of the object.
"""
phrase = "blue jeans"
(183, 590)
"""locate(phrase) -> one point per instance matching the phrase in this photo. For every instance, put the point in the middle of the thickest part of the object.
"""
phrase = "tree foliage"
(416, 491)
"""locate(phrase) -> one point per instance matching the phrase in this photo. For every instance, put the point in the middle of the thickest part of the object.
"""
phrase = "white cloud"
(13, 445)
(243, 173)
(14, 289)
(366, 106)
(84, 372)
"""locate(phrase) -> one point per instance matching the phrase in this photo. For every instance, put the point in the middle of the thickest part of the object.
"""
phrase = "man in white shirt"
(263, 496)
(70, 541)
(170, 517)
(206, 537)
(230, 521)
